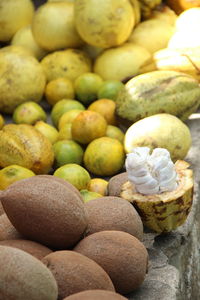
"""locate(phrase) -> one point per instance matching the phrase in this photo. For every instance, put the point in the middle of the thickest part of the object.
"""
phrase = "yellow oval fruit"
(122, 62)
(179, 5)
(115, 133)
(58, 89)
(104, 156)
(137, 10)
(105, 107)
(29, 113)
(25, 146)
(152, 34)
(50, 132)
(68, 63)
(53, 26)
(104, 23)
(75, 174)
(68, 117)
(13, 173)
(98, 185)
(159, 131)
(14, 15)
(87, 126)
(65, 132)
(2, 121)
(24, 37)
(21, 79)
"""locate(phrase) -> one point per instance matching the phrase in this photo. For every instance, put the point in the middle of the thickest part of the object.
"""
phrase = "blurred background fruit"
(75, 174)
(58, 89)
(110, 89)
(89, 195)
(13, 173)
(29, 113)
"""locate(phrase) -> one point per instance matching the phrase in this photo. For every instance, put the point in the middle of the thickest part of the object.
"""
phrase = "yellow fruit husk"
(186, 60)
(137, 11)
(164, 212)
(27, 147)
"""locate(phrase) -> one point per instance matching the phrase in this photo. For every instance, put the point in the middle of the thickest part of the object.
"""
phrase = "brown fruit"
(95, 295)
(75, 273)
(115, 183)
(120, 254)
(1, 209)
(7, 230)
(24, 277)
(33, 248)
(113, 213)
(52, 213)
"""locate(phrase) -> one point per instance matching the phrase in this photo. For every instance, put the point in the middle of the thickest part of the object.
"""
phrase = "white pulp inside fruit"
(151, 173)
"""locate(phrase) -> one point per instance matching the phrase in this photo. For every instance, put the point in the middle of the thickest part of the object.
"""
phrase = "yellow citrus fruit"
(63, 106)
(67, 152)
(86, 87)
(115, 133)
(106, 108)
(13, 173)
(58, 89)
(65, 132)
(68, 117)
(75, 174)
(104, 156)
(98, 185)
(110, 89)
(87, 126)
(29, 113)
(88, 195)
(2, 121)
(47, 130)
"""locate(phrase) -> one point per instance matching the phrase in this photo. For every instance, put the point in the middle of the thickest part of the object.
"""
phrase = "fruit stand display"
(95, 98)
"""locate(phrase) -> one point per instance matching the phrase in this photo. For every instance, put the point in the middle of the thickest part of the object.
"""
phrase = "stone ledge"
(174, 258)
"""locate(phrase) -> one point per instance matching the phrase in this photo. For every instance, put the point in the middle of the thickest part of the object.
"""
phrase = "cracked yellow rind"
(164, 212)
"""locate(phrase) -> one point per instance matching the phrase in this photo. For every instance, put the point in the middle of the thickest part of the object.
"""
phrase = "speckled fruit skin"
(37, 250)
(75, 272)
(121, 255)
(157, 92)
(53, 214)
(22, 79)
(113, 213)
(7, 230)
(25, 277)
(96, 295)
(25, 146)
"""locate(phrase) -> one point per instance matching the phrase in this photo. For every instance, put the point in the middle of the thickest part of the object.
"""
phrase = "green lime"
(88, 195)
(110, 89)
(63, 106)
(86, 87)
(75, 174)
(66, 152)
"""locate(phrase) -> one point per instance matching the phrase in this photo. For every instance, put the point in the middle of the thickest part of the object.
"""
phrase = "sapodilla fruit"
(53, 214)
(37, 250)
(113, 213)
(24, 277)
(75, 272)
(120, 254)
(7, 230)
(95, 295)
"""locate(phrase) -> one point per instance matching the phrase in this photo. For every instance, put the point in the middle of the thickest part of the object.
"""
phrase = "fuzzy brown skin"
(64, 182)
(96, 295)
(120, 254)
(1, 209)
(115, 183)
(7, 230)
(113, 213)
(52, 213)
(33, 248)
(75, 273)
(24, 277)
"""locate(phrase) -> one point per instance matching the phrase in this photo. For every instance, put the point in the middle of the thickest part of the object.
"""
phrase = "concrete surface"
(174, 265)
